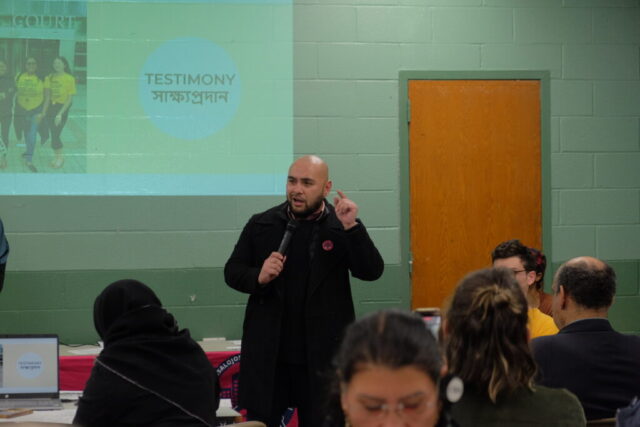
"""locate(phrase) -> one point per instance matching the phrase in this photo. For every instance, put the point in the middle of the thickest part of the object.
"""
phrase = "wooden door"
(475, 177)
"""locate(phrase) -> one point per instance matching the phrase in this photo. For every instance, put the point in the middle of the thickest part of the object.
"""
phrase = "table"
(224, 356)
(225, 415)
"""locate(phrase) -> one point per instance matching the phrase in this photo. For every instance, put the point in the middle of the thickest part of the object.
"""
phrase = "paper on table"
(70, 395)
(86, 351)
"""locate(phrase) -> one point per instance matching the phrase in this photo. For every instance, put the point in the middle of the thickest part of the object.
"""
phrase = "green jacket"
(544, 407)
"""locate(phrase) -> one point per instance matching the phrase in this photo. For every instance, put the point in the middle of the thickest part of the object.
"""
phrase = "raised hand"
(271, 268)
(346, 210)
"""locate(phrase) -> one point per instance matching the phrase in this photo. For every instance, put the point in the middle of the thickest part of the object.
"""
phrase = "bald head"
(587, 262)
(313, 165)
(307, 185)
(588, 281)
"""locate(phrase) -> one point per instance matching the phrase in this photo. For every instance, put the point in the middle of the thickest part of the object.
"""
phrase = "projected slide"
(145, 97)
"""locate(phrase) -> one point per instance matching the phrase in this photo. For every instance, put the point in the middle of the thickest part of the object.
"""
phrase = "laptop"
(431, 317)
(29, 372)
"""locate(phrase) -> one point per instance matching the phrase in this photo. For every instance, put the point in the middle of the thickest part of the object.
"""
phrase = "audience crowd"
(498, 359)
(512, 370)
(486, 346)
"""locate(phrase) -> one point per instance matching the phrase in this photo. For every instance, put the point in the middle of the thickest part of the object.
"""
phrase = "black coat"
(328, 308)
(594, 362)
(150, 372)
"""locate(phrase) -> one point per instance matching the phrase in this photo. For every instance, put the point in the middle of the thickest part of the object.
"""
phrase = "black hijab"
(142, 344)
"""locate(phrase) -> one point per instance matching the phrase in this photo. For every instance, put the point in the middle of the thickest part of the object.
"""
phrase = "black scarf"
(143, 345)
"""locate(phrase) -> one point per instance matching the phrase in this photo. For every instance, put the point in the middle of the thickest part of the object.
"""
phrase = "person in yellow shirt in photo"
(61, 86)
(516, 257)
(31, 105)
(7, 92)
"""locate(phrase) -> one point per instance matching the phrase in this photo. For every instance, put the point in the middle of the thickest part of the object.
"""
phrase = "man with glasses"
(515, 256)
(588, 357)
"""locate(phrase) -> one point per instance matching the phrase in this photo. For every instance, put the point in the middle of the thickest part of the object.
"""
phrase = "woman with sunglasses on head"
(487, 346)
(387, 372)
(62, 87)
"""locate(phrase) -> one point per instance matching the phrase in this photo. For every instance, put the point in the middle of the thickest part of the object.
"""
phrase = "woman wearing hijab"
(149, 372)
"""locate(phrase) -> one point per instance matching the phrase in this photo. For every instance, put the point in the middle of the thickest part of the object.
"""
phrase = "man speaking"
(300, 298)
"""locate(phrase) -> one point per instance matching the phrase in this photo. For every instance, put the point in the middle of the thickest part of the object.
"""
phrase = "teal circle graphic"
(29, 365)
(190, 88)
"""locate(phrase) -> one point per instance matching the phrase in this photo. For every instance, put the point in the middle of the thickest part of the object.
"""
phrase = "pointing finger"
(342, 195)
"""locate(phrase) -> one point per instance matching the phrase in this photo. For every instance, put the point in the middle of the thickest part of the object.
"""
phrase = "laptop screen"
(28, 366)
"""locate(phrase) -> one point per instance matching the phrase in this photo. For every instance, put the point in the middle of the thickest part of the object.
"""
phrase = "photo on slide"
(43, 74)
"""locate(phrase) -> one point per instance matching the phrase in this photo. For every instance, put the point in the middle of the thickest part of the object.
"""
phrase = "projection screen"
(166, 97)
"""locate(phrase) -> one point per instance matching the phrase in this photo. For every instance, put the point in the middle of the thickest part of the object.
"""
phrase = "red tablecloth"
(75, 371)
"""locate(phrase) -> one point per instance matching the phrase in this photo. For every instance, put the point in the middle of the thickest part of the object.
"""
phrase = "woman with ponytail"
(487, 346)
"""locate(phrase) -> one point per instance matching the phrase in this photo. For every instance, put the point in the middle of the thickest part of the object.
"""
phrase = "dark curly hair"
(512, 248)
(541, 266)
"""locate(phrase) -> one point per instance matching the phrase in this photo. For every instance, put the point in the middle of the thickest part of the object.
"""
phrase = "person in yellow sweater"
(513, 255)
(31, 104)
(61, 86)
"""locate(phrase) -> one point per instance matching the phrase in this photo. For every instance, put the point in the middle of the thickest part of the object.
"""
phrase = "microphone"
(291, 227)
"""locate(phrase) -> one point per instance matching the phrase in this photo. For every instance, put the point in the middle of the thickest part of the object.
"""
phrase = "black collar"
(588, 325)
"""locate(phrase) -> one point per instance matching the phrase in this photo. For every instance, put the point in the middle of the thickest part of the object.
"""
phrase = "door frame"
(404, 110)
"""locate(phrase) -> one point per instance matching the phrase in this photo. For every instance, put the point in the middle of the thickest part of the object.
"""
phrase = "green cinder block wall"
(347, 54)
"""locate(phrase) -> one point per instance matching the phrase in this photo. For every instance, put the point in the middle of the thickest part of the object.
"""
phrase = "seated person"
(544, 299)
(149, 372)
(4, 254)
(387, 371)
(589, 358)
(516, 257)
(486, 345)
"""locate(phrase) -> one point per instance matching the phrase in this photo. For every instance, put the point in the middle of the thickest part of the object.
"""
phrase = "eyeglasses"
(409, 409)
